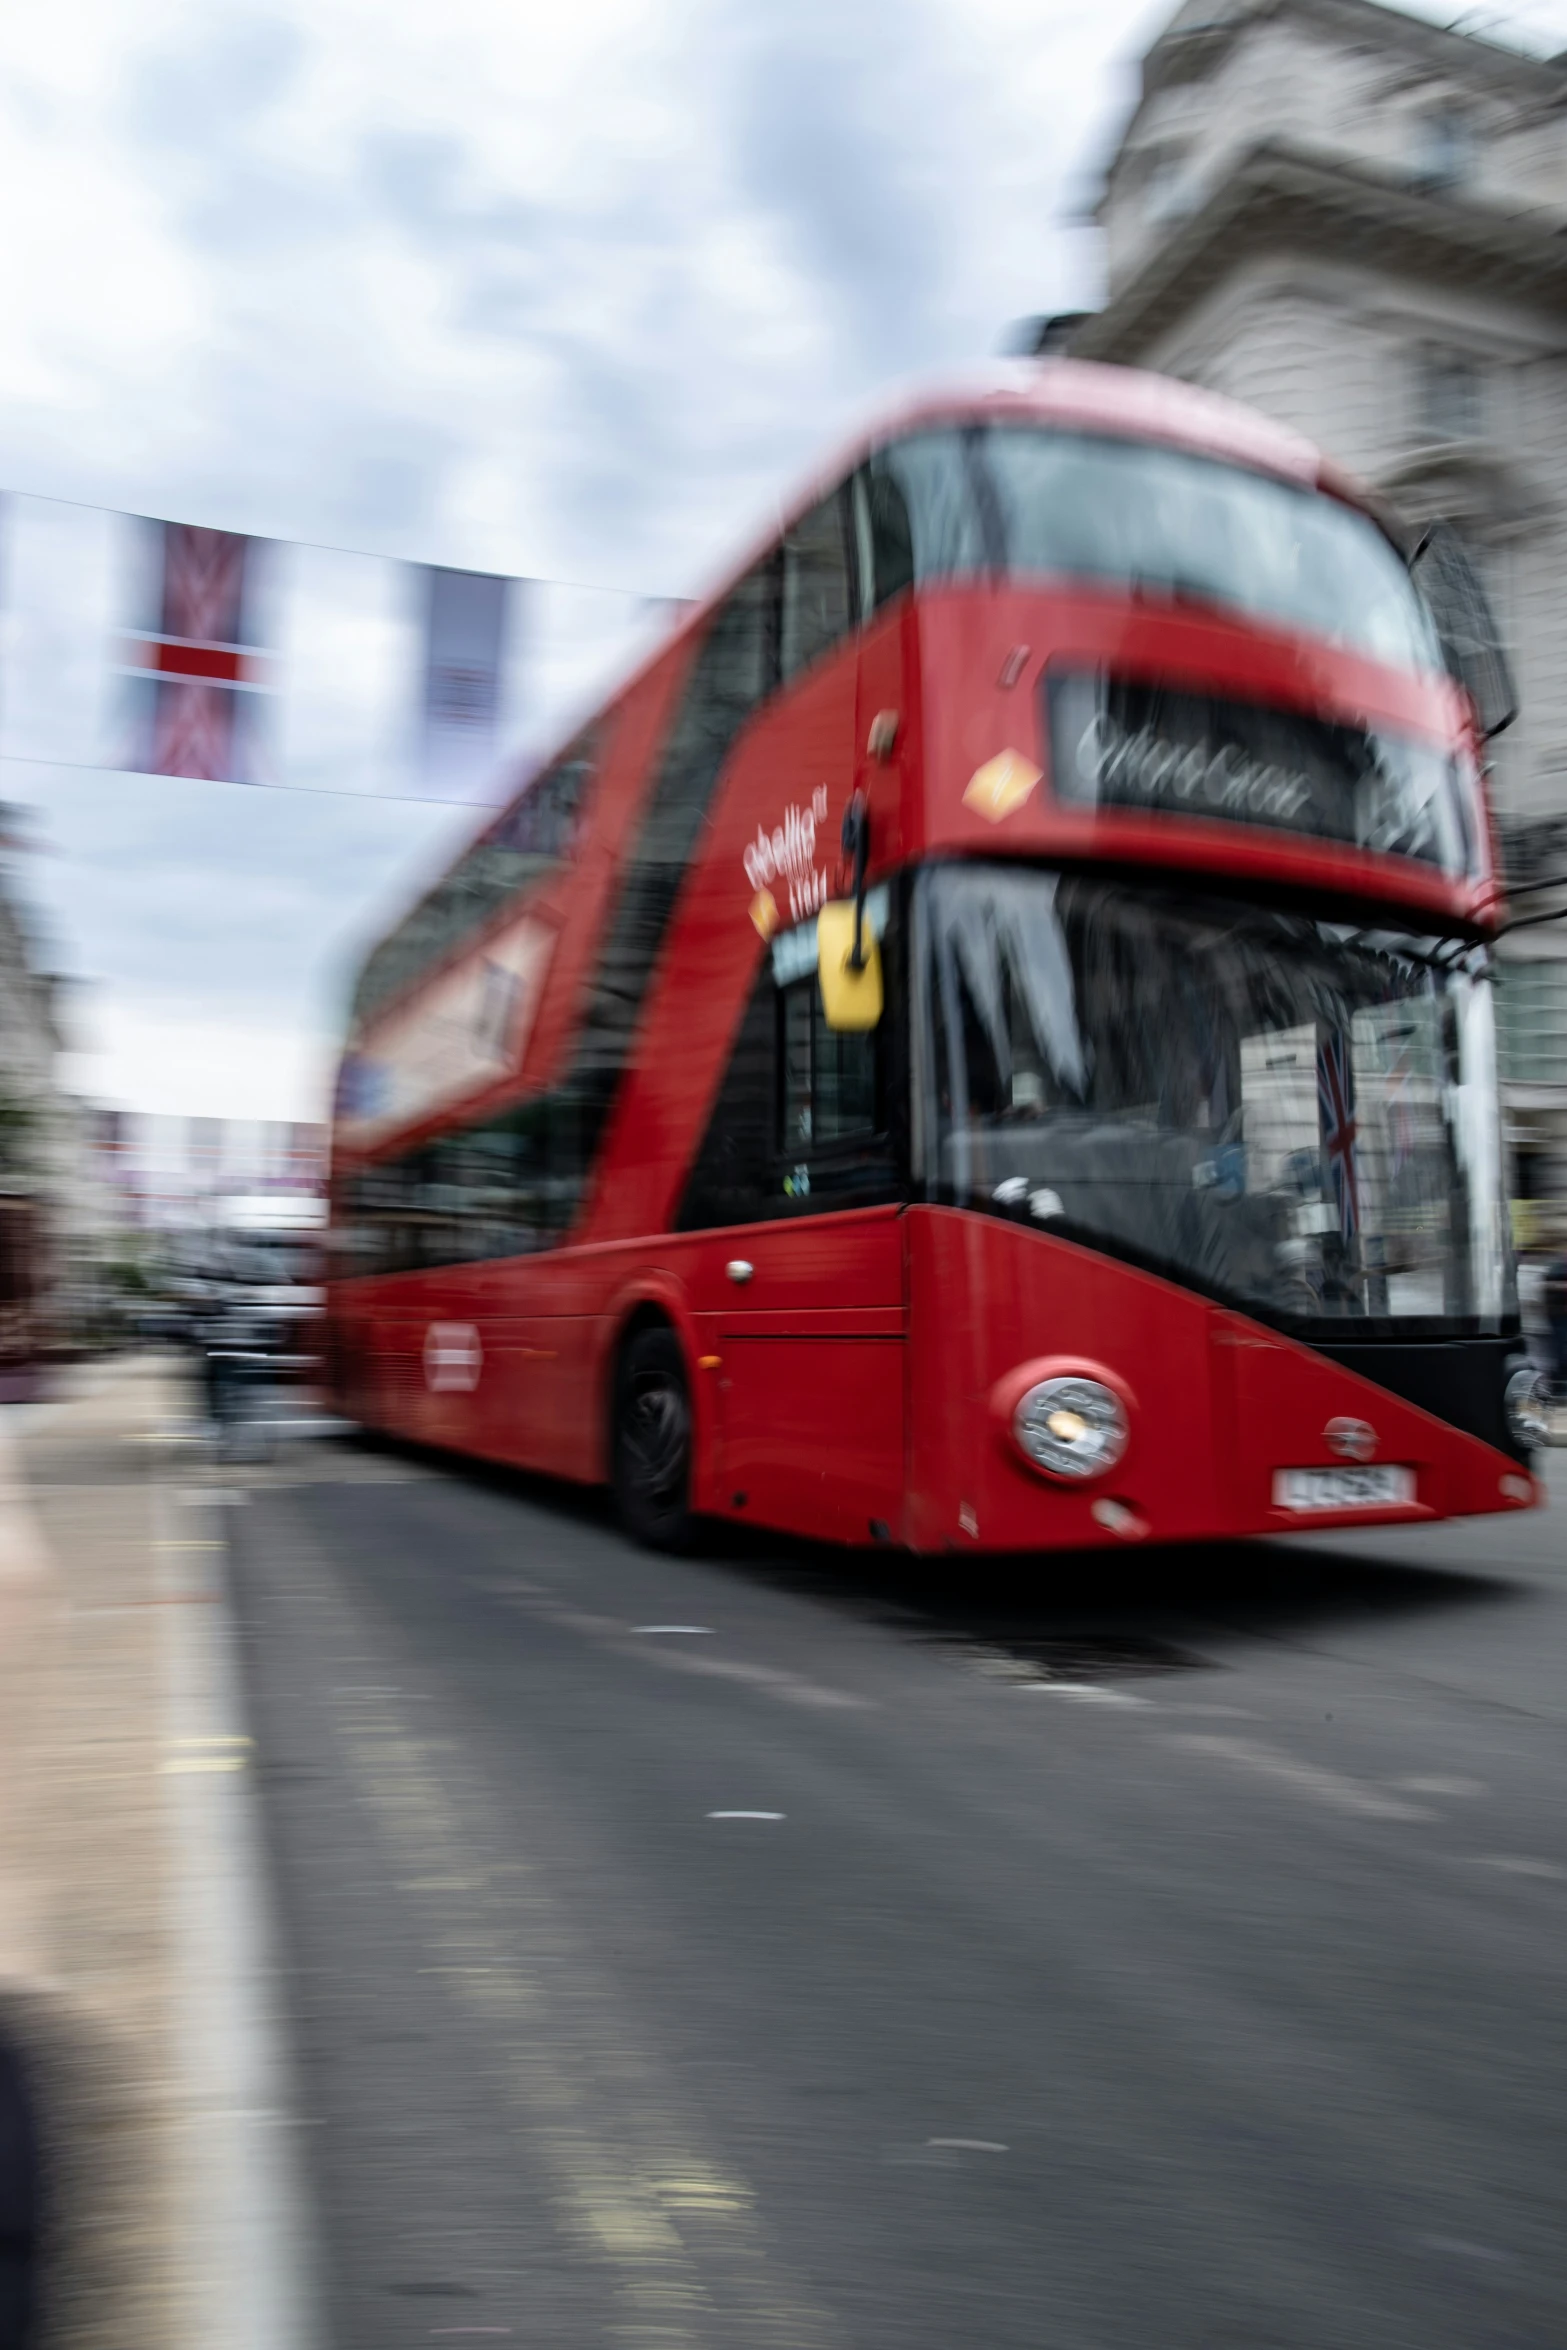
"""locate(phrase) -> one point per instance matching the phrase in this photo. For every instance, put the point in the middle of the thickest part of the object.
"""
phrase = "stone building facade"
(1356, 220)
(167, 1173)
(56, 1215)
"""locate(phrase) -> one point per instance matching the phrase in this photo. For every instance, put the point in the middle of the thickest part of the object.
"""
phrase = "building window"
(1445, 155)
(1532, 1022)
(1167, 189)
(1449, 396)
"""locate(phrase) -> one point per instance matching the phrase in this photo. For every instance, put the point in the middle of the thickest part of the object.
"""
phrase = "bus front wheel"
(652, 1440)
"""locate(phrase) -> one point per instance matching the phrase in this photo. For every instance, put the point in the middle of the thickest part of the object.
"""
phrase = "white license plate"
(1304, 1490)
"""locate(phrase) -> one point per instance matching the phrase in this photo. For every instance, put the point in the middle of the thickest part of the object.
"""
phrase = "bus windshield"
(998, 498)
(1294, 1115)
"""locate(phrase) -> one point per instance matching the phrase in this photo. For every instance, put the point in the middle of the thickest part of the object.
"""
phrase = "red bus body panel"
(849, 1390)
(1218, 1402)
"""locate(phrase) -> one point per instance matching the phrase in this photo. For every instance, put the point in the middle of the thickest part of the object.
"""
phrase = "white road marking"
(972, 2145)
(745, 1815)
(1089, 1691)
(793, 1688)
(1330, 1787)
(691, 1630)
(1420, 1786)
(1464, 2250)
(1519, 1864)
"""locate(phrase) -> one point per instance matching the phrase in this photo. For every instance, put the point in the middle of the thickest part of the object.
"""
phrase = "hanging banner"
(465, 615)
(133, 644)
(198, 675)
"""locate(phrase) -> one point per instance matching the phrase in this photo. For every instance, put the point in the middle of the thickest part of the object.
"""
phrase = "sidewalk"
(134, 1967)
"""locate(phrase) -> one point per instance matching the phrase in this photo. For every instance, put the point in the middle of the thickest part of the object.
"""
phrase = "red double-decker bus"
(987, 1039)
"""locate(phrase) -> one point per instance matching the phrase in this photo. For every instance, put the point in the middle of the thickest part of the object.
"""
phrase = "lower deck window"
(829, 1075)
(807, 1117)
(504, 1187)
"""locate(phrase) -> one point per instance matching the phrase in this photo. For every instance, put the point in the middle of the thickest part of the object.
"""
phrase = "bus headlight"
(1528, 1418)
(1072, 1427)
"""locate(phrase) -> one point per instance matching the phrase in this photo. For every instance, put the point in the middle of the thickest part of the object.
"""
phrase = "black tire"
(651, 1466)
(20, 2201)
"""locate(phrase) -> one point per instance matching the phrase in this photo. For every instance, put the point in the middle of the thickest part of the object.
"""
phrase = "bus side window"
(502, 1187)
(731, 1177)
(816, 599)
(798, 1124)
(829, 1076)
(539, 832)
(805, 1119)
(547, 818)
(884, 535)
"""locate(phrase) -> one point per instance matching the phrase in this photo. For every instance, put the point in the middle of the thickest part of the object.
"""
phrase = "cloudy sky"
(565, 291)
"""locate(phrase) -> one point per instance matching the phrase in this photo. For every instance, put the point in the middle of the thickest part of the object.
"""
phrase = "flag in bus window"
(198, 665)
(465, 615)
(1336, 1106)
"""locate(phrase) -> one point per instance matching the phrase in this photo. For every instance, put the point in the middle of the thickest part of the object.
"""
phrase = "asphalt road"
(788, 1950)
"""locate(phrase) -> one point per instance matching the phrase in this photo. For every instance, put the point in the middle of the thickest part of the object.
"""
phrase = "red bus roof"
(1081, 395)
(1076, 394)
(1128, 401)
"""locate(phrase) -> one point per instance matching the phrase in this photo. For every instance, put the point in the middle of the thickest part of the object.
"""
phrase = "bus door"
(806, 1304)
(810, 1340)
(801, 1289)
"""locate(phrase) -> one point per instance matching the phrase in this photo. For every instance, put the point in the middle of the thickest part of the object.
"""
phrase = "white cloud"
(573, 291)
(162, 1056)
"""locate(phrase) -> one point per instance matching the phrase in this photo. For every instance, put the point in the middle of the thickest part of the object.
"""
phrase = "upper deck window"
(964, 500)
(814, 585)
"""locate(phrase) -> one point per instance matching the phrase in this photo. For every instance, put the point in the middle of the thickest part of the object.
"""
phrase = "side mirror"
(848, 963)
(851, 987)
(1466, 625)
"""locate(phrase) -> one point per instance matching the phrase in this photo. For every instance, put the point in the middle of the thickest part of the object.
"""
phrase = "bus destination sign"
(1122, 743)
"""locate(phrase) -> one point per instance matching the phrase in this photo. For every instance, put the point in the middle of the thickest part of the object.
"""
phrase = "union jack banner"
(1336, 1108)
(465, 622)
(199, 671)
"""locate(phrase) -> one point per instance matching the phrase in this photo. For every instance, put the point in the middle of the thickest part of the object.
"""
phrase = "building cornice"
(1194, 50)
(1362, 23)
(1473, 482)
(1279, 197)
